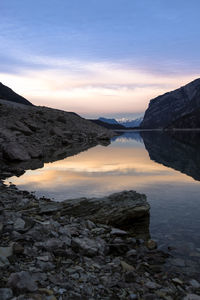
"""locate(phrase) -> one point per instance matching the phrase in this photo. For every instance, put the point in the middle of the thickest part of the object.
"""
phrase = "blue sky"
(98, 57)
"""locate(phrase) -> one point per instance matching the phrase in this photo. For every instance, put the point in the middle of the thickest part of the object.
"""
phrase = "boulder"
(117, 209)
(15, 152)
(22, 281)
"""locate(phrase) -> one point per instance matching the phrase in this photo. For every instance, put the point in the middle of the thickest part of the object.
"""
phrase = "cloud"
(89, 88)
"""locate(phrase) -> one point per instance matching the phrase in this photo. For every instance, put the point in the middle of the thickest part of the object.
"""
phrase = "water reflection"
(99, 171)
(161, 165)
(177, 150)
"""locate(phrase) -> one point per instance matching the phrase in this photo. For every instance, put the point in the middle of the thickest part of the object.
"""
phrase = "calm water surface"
(166, 169)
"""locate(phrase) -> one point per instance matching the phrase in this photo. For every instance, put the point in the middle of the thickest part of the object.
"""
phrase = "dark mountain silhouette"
(176, 109)
(108, 125)
(7, 94)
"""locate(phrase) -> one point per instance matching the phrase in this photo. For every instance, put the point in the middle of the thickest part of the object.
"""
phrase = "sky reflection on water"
(124, 165)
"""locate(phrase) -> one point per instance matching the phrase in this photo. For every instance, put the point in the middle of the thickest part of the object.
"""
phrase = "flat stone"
(19, 224)
(194, 283)
(22, 281)
(118, 232)
(87, 246)
(6, 293)
(177, 281)
(152, 285)
(126, 267)
(131, 252)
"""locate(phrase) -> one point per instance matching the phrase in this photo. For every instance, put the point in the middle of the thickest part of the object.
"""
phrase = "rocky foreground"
(46, 253)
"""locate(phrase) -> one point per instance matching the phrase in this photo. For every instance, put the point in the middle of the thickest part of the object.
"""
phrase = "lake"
(164, 166)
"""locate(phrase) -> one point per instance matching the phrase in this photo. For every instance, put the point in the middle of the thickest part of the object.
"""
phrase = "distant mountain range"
(7, 94)
(123, 122)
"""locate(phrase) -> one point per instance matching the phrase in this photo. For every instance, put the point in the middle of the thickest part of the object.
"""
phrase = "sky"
(98, 57)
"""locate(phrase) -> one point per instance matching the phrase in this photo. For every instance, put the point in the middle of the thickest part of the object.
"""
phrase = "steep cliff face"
(191, 120)
(7, 94)
(166, 109)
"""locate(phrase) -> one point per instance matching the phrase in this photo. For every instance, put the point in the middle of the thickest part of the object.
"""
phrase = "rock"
(194, 283)
(22, 281)
(19, 224)
(131, 252)
(166, 109)
(126, 267)
(5, 294)
(130, 276)
(18, 248)
(5, 252)
(177, 281)
(151, 244)
(116, 209)
(133, 297)
(191, 297)
(1, 227)
(87, 246)
(152, 285)
(118, 232)
(15, 152)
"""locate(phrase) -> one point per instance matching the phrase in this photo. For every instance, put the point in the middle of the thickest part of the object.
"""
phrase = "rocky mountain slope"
(7, 94)
(167, 109)
(30, 132)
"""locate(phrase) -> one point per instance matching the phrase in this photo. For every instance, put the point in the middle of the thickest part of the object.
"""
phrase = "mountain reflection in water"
(162, 165)
(178, 150)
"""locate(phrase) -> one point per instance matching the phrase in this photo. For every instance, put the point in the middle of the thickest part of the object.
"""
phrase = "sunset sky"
(98, 57)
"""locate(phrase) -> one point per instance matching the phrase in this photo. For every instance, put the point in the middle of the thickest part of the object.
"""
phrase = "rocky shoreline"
(46, 253)
(81, 248)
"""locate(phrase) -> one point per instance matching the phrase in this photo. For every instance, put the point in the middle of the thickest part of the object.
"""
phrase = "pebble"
(191, 297)
(194, 283)
(118, 232)
(152, 285)
(126, 267)
(177, 281)
(151, 244)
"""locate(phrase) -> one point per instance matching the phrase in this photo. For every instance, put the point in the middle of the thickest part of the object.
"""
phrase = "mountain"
(125, 123)
(113, 126)
(7, 94)
(131, 123)
(177, 109)
(109, 121)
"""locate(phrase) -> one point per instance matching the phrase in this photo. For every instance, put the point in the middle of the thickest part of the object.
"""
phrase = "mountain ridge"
(164, 110)
(8, 94)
